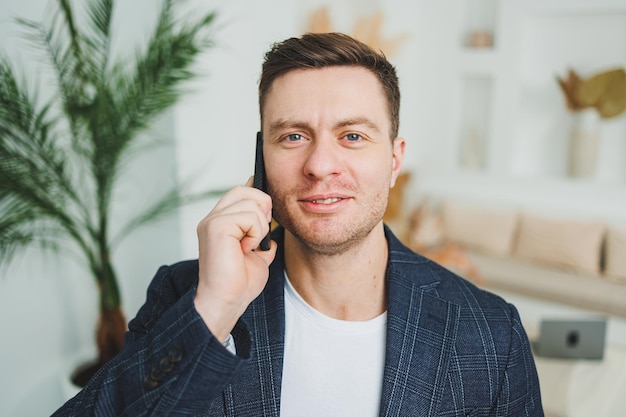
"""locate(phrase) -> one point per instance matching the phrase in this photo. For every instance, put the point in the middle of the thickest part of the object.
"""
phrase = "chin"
(330, 241)
(328, 248)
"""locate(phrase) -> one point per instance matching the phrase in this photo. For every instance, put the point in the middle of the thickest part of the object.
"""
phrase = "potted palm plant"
(61, 160)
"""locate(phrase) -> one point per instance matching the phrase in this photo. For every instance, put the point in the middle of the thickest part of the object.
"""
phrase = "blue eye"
(352, 137)
(294, 137)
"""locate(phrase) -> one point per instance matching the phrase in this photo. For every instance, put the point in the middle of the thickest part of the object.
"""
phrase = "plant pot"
(76, 374)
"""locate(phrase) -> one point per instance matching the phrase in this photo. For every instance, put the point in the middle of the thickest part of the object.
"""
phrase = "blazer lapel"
(256, 390)
(421, 330)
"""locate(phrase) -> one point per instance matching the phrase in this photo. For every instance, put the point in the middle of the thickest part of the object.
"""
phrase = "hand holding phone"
(259, 180)
(233, 267)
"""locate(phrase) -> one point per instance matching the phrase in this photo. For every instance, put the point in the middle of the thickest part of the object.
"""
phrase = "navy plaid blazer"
(452, 350)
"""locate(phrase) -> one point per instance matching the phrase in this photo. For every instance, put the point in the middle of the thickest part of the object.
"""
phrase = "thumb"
(268, 255)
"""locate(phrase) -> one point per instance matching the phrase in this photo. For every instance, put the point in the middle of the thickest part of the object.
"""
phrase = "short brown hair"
(319, 50)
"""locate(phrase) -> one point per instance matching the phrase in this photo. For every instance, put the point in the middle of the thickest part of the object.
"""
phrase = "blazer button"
(175, 355)
(157, 374)
(165, 365)
(149, 383)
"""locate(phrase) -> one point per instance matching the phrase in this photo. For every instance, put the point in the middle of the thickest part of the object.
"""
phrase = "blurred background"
(486, 124)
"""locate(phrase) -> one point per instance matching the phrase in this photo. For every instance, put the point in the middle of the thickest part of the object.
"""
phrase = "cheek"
(280, 173)
(376, 171)
(281, 163)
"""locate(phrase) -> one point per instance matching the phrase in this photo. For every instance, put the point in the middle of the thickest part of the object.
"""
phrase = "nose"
(323, 158)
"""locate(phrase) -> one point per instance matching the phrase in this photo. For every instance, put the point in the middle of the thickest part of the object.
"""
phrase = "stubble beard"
(323, 235)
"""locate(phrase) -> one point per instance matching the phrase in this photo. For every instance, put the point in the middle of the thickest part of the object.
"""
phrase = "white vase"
(584, 144)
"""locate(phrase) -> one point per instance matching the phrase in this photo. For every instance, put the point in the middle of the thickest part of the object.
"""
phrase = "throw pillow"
(573, 245)
(486, 229)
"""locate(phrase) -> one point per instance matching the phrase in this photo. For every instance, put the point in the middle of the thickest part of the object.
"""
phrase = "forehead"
(337, 91)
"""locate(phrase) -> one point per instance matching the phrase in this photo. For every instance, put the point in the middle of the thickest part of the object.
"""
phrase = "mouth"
(324, 204)
(325, 201)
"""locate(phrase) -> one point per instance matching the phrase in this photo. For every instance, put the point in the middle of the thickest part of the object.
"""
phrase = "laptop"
(571, 339)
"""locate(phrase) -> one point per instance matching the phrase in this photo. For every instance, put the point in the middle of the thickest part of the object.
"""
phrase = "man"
(337, 318)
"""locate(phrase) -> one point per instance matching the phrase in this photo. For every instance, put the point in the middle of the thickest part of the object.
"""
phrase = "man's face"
(330, 161)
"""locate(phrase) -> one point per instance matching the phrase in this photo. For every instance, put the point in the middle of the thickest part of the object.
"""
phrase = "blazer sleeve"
(519, 389)
(171, 364)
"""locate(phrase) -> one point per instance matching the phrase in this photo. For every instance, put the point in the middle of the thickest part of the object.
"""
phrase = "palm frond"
(99, 40)
(30, 149)
(154, 84)
(57, 38)
(13, 233)
(170, 201)
(33, 179)
(23, 229)
(20, 230)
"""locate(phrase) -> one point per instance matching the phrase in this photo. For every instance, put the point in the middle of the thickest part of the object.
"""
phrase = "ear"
(397, 159)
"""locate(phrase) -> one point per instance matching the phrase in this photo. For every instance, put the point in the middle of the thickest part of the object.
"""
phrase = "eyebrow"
(291, 124)
(358, 121)
(286, 124)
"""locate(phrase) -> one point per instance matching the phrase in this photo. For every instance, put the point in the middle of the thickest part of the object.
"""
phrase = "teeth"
(327, 201)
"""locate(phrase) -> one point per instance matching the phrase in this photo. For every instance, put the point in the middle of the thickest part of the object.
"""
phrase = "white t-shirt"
(331, 367)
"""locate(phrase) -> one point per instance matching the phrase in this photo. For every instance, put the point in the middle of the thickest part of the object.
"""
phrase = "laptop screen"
(574, 339)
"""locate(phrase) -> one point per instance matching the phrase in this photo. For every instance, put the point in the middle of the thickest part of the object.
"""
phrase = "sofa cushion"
(489, 230)
(571, 245)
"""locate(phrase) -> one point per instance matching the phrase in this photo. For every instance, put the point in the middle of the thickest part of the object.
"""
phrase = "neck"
(348, 286)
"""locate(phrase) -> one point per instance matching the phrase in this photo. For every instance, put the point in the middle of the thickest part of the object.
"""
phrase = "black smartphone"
(259, 180)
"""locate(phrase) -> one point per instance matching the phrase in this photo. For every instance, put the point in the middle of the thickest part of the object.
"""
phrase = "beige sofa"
(587, 291)
(565, 260)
